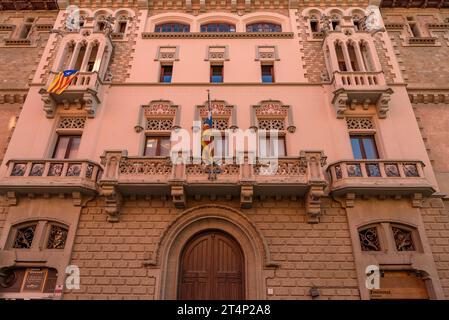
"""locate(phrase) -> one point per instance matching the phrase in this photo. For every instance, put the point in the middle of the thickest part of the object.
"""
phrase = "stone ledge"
(216, 35)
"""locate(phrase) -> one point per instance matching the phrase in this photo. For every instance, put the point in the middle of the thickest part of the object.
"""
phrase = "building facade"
(90, 183)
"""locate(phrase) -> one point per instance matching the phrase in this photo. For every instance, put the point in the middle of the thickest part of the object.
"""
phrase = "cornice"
(217, 35)
(13, 95)
(17, 5)
(423, 4)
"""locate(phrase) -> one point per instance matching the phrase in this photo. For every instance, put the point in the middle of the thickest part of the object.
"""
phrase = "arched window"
(218, 27)
(172, 27)
(122, 22)
(335, 22)
(366, 56)
(357, 20)
(263, 27)
(100, 23)
(314, 23)
(340, 57)
(353, 56)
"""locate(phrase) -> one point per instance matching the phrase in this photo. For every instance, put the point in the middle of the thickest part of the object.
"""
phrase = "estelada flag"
(62, 81)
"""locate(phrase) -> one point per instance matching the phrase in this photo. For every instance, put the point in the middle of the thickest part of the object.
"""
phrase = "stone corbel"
(49, 104)
(314, 160)
(179, 197)
(90, 103)
(340, 103)
(246, 196)
(313, 203)
(350, 200)
(77, 198)
(11, 198)
(383, 104)
(113, 201)
(417, 200)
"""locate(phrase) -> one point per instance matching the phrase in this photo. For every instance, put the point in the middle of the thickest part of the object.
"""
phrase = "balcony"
(51, 176)
(84, 92)
(292, 176)
(360, 87)
(379, 178)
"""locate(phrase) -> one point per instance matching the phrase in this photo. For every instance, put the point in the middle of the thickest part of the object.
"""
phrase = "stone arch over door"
(257, 264)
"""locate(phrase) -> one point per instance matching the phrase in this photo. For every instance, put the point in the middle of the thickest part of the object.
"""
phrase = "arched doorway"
(211, 268)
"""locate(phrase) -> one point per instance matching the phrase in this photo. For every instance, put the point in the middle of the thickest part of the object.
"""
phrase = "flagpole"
(208, 99)
(210, 111)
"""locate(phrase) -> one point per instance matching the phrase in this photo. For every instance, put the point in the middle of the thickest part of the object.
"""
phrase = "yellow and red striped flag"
(62, 81)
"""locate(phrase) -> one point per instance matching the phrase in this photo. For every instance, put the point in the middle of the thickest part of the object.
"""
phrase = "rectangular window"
(67, 147)
(156, 146)
(267, 146)
(267, 73)
(314, 25)
(364, 147)
(216, 74)
(166, 73)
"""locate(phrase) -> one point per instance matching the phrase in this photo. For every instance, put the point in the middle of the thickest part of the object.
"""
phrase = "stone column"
(344, 48)
(87, 56)
(358, 54)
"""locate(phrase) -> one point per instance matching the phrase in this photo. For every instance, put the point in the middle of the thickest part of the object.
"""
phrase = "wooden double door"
(212, 268)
